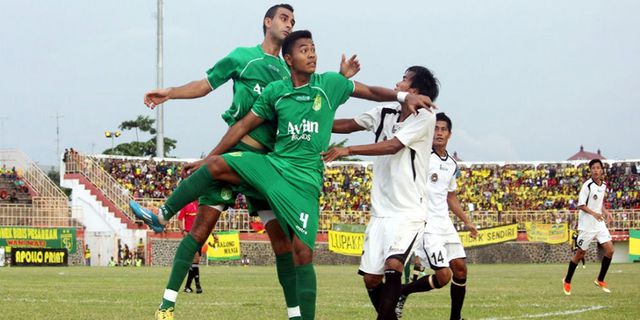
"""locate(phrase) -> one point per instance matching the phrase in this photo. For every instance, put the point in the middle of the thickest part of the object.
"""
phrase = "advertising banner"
(552, 233)
(490, 235)
(634, 245)
(28, 237)
(226, 248)
(39, 257)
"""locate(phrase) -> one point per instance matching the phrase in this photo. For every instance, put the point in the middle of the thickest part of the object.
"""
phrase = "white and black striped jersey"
(441, 179)
(400, 179)
(591, 195)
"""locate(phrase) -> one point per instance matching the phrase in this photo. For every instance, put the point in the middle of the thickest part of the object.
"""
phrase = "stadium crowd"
(144, 178)
(508, 189)
(13, 189)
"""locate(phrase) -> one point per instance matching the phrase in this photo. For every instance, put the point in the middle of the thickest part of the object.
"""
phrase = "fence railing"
(43, 212)
(109, 186)
(37, 179)
(239, 219)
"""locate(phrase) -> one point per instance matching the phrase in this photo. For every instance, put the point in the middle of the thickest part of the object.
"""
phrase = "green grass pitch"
(493, 292)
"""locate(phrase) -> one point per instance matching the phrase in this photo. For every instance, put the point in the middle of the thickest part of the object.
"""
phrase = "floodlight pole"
(159, 84)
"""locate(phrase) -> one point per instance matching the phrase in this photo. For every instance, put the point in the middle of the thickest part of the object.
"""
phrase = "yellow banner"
(347, 243)
(552, 233)
(634, 244)
(490, 236)
(226, 248)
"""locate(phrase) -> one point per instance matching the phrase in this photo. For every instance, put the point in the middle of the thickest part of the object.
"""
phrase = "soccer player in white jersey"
(591, 225)
(440, 246)
(399, 194)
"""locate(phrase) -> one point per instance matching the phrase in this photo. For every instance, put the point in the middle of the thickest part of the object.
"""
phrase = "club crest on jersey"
(225, 194)
(434, 177)
(317, 103)
(595, 197)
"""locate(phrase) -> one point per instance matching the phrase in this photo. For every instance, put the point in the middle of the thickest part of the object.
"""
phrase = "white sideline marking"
(550, 314)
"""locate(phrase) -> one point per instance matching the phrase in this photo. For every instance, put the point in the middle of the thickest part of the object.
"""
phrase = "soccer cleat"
(400, 305)
(566, 287)
(147, 216)
(188, 290)
(164, 314)
(602, 285)
(198, 289)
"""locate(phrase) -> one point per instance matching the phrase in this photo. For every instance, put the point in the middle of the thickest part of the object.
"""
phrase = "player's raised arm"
(191, 90)
(411, 101)
(349, 68)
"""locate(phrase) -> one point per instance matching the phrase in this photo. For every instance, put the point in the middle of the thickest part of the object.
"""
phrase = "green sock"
(187, 191)
(407, 272)
(306, 287)
(287, 277)
(181, 265)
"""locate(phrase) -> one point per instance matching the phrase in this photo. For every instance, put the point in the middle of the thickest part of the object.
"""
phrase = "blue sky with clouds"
(522, 80)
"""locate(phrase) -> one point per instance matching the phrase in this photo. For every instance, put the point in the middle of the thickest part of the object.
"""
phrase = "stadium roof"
(586, 155)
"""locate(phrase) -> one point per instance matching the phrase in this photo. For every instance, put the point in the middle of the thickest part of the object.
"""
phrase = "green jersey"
(304, 118)
(251, 70)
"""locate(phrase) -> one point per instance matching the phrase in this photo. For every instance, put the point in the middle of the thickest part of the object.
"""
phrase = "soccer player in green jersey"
(290, 177)
(251, 69)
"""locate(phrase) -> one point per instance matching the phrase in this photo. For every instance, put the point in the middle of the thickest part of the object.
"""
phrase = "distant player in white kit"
(441, 247)
(399, 195)
(591, 226)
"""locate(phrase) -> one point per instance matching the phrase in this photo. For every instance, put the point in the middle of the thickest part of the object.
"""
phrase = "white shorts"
(585, 237)
(266, 216)
(386, 237)
(436, 250)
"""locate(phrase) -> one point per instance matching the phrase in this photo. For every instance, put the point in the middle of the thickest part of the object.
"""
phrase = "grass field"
(493, 292)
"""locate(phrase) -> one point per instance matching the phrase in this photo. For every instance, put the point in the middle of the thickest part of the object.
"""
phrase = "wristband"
(402, 96)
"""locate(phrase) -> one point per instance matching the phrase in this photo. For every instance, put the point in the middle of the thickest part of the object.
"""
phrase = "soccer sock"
(189, 278)
(374, 295)
(570, 271)
(606, 261)
(416, 272)
(181, 264)
(196, 274)
(423, 284)
(390, 294)
(287, 278)
(188, 190)
(458, 290)
(407, 272)
(306, 288)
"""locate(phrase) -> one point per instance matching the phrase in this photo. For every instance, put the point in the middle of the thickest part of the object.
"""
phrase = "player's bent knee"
(371, 280)
(217, 166)
(394, 263)
(444, 276)
(302, 254)
(280, 245)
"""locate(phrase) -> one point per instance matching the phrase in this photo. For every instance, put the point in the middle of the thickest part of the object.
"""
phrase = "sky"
(521, 80)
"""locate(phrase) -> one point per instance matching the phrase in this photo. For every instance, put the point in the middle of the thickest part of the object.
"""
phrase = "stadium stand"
(13, 188)
(493, 193)
(40, 203)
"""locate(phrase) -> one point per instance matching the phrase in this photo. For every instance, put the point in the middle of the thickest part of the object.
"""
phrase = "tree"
(341, 144)
(144, 123)
(141, 148)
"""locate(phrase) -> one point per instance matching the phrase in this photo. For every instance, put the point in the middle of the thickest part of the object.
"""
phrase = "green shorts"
(224, 194)
(294, 206)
